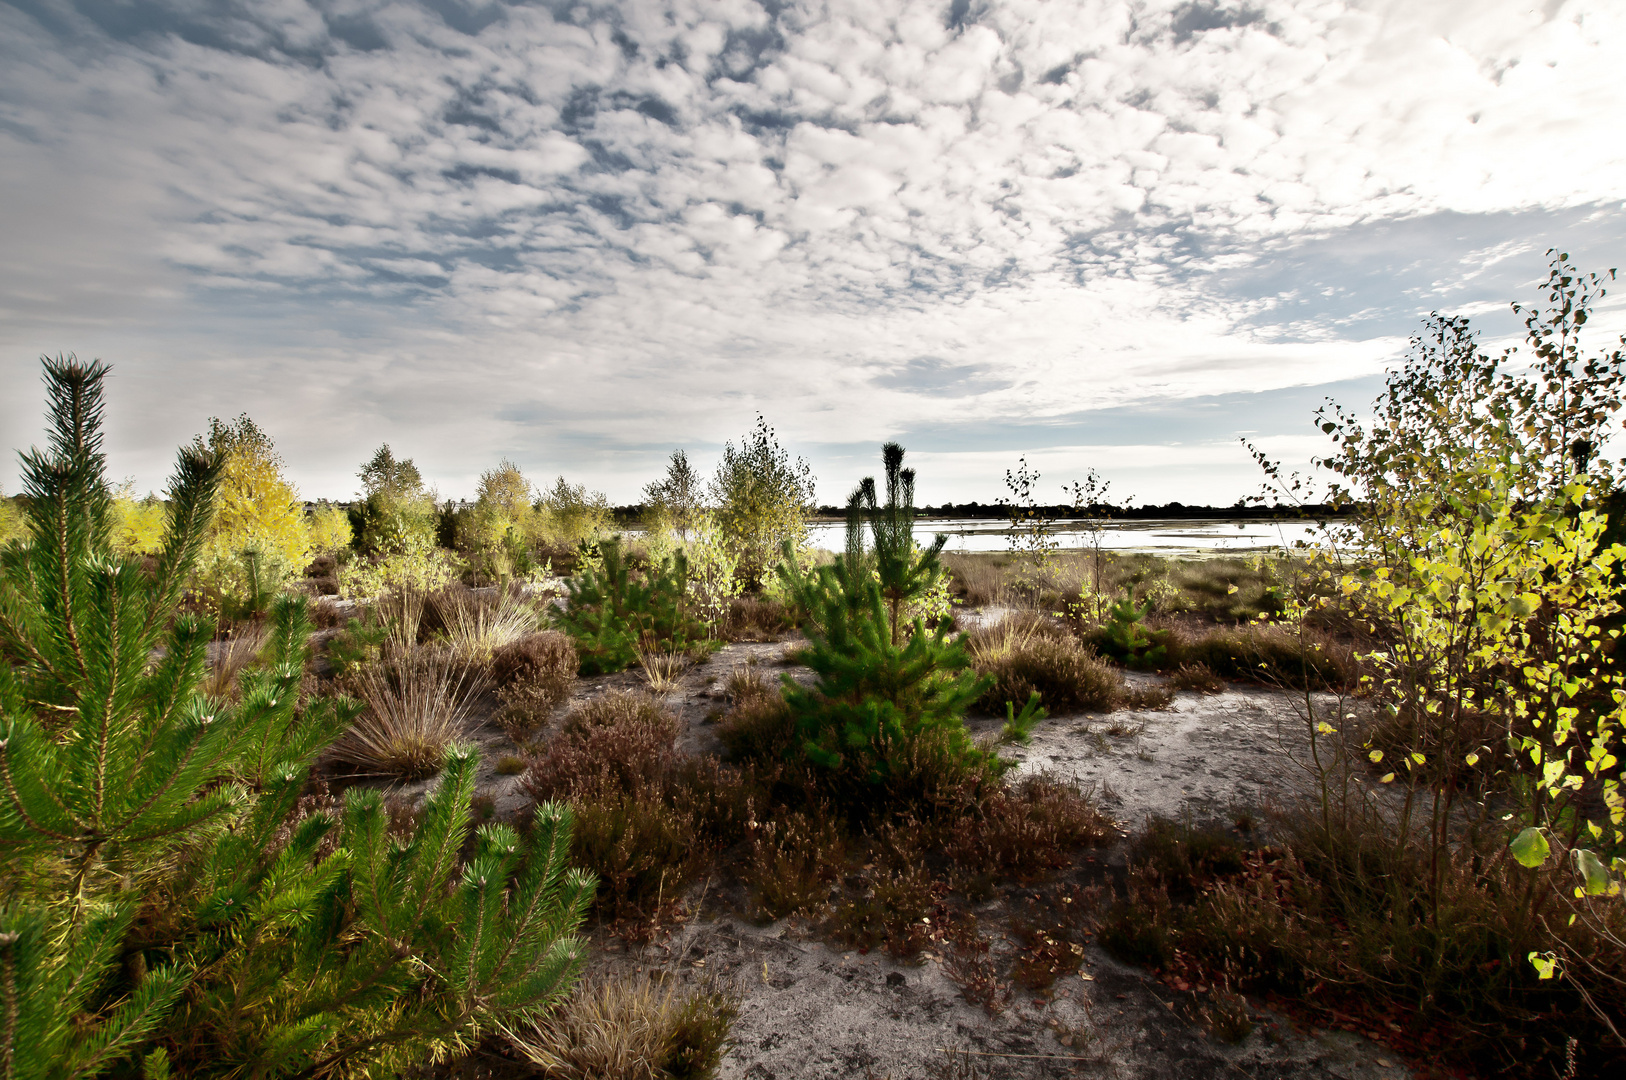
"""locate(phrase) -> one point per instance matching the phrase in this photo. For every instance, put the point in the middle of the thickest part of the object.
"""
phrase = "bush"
(1197, 677)
(533, 676)
(614, 761)
(795, 859)
(1293, 656)
(612, 616)
(756, 618)
(1021, 831)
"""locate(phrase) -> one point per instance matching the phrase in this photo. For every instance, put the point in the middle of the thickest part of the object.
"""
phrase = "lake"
(1159, 537)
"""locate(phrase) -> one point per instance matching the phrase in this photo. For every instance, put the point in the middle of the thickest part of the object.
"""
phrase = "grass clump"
(633, 1029)
(1026, 653)
(418, 704)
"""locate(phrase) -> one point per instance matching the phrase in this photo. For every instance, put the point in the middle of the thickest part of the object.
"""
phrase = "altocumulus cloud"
(582, 234)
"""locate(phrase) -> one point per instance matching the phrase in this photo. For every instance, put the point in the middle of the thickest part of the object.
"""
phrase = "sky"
(1094, 233)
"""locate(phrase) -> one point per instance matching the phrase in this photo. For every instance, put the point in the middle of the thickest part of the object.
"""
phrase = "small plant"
(1027, 654)
(795, 859)
(887, 710)
(1127, 639)
(509, 765)
(611, 615)
(1197, 677)
(533, 675)
(633, 1029)
(360, 643)
(418, 705)
(662, 670)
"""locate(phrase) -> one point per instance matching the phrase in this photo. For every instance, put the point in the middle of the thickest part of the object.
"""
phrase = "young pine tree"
(165, 907)
(887, 700)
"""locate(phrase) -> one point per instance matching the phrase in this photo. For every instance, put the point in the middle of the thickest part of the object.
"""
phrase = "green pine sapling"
(165, 906)
(879, 702)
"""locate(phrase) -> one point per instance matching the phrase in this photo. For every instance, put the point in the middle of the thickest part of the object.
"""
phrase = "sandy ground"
(810, 1011)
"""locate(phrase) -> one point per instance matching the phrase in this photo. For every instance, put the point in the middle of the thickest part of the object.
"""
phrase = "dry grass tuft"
(1027, 652)
(418, 704)
(1197, 677)
(477, 625)
(663, 670)
(632, 1029)
(232, 657)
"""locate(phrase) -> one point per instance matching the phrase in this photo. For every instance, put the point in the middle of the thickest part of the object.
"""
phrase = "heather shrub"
(614, 761)
(533, 676)
(795, 858)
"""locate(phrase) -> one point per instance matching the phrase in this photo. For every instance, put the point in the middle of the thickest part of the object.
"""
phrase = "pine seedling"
(879, 699)
(144, 822)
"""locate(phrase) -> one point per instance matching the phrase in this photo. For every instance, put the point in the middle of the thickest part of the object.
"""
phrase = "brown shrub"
(618, 744)
(533, 676)
(756, 618)
(1274, 654)
(1022, 830)
(794, 860)
(759, 728)
(1196, 676)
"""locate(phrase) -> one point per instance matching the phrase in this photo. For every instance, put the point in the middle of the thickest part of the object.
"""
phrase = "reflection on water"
(1166, 537)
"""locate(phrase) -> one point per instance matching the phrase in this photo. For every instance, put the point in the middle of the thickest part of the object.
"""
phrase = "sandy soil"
(810, 1010)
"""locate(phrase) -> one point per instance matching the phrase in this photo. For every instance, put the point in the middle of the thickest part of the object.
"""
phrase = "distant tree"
(506, 489)
(395, 515)
(138, 524)
(259, 535)
(571, 515)
(674, 498)
(383, 475)
(762, 500)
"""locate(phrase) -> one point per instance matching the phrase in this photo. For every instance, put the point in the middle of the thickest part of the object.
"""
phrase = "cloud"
(551, 229)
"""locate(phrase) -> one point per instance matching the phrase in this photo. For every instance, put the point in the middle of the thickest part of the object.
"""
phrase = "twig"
(1024, 1057)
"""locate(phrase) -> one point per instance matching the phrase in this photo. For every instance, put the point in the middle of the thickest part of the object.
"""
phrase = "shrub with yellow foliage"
(259, 536)
(138, 524)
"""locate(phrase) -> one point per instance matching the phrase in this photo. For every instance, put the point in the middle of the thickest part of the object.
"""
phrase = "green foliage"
(904, 571)
(672, 501)
(164, 898)
(761, 501)
(879, 706)
(1127, 639)
(612, 614)
(395, 516)
(570, 517)
(138, 524)
(13, 522)
(330, 529)
(360, 643)
(258, 536)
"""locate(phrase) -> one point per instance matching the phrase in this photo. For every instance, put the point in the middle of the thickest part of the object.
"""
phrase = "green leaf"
(1530, 848)
(1594, 875)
